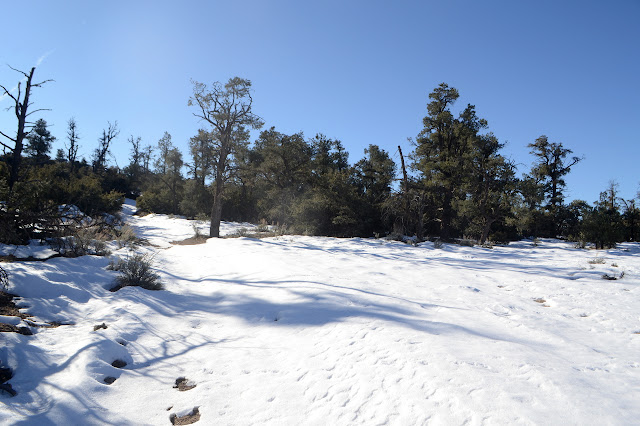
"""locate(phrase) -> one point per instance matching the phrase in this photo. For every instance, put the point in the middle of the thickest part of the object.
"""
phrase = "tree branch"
(37, 110)
(8, 137)
(5, 145)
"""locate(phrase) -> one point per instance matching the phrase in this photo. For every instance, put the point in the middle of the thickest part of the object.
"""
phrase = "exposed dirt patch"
(191, 241)
(52, 324)
(539, 300)
(9, 328)
(8, 307)
(186, 419)
(98, 327)
(182, 384)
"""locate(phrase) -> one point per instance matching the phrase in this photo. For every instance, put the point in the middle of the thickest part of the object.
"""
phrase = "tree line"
(456, 183)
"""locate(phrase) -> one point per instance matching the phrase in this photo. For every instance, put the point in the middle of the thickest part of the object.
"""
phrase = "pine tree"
(443, 150)
(491, 186)
(39, 141)
(373, 176)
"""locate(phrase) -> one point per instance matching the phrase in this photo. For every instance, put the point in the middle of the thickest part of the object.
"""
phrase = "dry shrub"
(137, 271)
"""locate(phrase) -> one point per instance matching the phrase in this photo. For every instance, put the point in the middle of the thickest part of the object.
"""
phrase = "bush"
(136, 270)
(82, 241)
(126, 236)
(465, 242)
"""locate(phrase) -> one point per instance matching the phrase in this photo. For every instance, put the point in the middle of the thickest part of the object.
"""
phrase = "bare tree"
(100, 154)
(21, 105)
(228, 110)
(72, 137)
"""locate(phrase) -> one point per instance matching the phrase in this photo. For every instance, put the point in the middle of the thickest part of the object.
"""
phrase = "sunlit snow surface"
(309, 330)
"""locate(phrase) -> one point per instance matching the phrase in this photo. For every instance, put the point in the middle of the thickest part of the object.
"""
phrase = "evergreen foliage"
(461, 185)
(39, 141)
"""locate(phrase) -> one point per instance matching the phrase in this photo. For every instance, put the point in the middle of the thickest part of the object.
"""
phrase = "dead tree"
(21, 104)
(72, 148)
(100, 153)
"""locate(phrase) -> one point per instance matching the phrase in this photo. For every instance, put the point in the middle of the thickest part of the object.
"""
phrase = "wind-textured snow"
(311, 330)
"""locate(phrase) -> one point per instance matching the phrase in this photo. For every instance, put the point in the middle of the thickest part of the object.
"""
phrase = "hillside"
(312, 330)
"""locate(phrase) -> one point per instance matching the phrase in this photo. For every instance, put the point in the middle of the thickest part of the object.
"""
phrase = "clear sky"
(358, 71)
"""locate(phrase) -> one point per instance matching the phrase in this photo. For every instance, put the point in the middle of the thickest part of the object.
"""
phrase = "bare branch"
(37, 110)
(42, 82)
(6, 92)
(8, 137)
(21, 72)
(5, 145)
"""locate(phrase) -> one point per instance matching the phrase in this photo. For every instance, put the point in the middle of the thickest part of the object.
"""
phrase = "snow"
(311, 330)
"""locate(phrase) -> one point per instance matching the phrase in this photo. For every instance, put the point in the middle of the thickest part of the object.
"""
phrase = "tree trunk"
(216, 214)
(216, 208)
(447, 214)
(21, 113)
(405, 190)
(486, 229)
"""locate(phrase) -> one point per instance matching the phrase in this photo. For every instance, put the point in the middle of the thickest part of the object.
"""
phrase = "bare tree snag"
(21, 105)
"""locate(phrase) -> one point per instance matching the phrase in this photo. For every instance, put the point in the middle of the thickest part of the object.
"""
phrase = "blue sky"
(358, 71)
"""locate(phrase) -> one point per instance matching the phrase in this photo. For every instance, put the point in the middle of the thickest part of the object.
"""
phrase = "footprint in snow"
(118, 363)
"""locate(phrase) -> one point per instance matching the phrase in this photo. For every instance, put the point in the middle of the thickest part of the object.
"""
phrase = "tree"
(328, 155)
(550, 168)
(21, 106)
(282, 165)
(491, 186)
(104, 143)
(134, 170)
(164, 193)
(72, 147)
(228, 110)
(201, 149)
(39, 141)
(164, 146)
(442, 151)
(630, 217)
(373, 177)
(60, 156)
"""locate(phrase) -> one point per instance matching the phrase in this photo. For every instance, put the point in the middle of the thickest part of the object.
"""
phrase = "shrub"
(81, 241)
(126, 236)
(465, 242)
(136, 270)
(196, 231)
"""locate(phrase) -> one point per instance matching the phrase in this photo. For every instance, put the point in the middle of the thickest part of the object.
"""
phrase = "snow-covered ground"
(310, 330)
